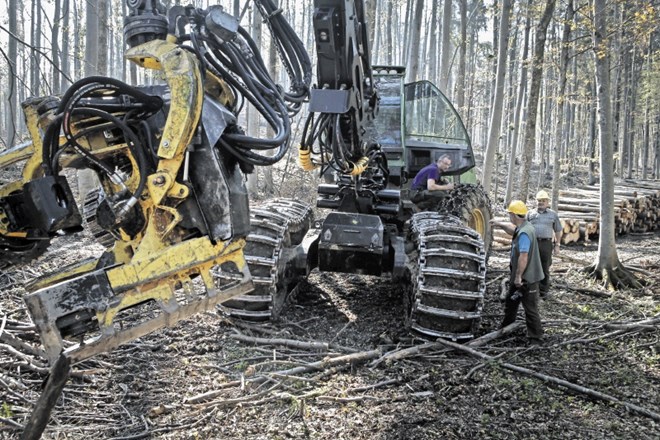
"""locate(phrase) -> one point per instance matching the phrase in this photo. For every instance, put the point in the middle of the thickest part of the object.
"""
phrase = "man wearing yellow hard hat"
(548, 233)
(526, 271)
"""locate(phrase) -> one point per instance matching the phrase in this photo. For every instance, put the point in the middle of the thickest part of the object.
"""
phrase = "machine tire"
(277, 228)
(471, 204)
(91, 203)
(448, 277)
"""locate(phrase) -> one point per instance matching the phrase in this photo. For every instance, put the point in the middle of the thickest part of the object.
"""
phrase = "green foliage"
(6, 411)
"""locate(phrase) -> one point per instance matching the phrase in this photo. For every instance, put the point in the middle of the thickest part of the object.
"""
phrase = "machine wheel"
(471, 204)
(277, 227)
(90, 205)
(448, 277)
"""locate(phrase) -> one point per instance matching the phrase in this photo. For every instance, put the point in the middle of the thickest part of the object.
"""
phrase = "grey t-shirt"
(545, 223)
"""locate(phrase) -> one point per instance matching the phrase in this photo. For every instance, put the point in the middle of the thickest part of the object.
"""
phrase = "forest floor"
(210, 379)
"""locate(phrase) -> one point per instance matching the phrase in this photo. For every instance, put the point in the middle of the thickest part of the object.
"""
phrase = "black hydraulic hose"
(73, 95)
(254, 93)
(292, 52)
(133, 145)
(55, 159)
(51, 136)
(152, 102)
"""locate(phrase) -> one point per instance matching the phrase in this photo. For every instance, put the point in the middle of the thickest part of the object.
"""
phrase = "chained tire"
(277, 228)
(448, 277)
(91, 202)
(471, 204)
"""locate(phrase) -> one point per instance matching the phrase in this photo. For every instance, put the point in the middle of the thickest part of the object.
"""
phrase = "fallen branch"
(590, 292)
(371, 387)
(321, 365)
(483, 340)
(18, 344)
(292, 343)
(555, 380)
(402, 353)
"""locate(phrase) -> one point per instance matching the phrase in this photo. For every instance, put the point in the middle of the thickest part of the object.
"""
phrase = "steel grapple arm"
(171, 162)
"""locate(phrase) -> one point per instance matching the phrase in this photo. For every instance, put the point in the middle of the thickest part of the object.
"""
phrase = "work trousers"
(545, 251)
(427, 200)
(530, 302)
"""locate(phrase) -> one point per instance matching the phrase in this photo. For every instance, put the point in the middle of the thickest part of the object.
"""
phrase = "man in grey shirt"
(548, 234)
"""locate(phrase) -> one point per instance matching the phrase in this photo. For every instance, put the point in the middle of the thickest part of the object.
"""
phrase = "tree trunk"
(409, 5)
(35, 42)
(445, 67)
(370, 12)
(91, 39)
(268, 183)
(55, 47)
(496, 109)
(66, 32)
(532, 105)
(77, 69)
(432, 61)
(389, 31)
(607, 266)
(522, 89)
(415, 33)
(102, 59)
(461, 81)
(12, 105)
(561, 102)
(253, 119)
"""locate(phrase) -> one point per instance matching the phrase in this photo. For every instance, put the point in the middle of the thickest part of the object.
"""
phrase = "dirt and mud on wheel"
(471, 204)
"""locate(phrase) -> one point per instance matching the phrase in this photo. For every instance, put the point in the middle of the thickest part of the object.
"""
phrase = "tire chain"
(275, 226)
(462, 200)
(90, 205)
(448, 271)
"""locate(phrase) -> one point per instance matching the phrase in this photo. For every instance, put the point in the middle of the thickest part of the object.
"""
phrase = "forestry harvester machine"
(172, 208)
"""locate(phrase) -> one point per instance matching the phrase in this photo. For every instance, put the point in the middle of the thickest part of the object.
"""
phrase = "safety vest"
(534, 271)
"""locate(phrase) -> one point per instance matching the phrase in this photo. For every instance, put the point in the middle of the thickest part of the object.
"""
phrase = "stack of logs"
(636, 210)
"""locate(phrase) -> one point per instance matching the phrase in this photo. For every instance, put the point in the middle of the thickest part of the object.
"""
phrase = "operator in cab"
(428, 187)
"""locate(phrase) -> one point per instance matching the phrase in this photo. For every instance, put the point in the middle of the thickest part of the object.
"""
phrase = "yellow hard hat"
(542, 195)
(517, 207)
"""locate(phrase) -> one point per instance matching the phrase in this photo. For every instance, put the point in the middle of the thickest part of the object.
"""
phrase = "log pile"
(636, 210)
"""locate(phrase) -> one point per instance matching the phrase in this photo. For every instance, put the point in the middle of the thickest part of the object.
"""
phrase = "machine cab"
(416, 130)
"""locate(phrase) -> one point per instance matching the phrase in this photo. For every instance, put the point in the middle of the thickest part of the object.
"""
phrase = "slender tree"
(533, 101)
(55, 46)
(91, 38)
(415, 32)
(461, 82)
(66, 32)
(520, 99)
(103, 26)
(561, 99)
(607, 266)
(445, 62)
(12, 62)
(496, 111)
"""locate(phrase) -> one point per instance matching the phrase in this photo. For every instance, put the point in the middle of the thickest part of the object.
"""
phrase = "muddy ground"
(209, 378)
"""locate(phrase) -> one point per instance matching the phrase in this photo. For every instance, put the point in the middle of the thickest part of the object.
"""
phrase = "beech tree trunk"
(12, 102)
(91, 39)
(498, 102)
(512, 174)
(559, 133)
(415, 33)
(66, 32)
(607, 265)
(446, 47)
(534, 92)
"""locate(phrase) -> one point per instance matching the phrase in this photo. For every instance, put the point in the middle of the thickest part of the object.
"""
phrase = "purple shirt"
(428, 172)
